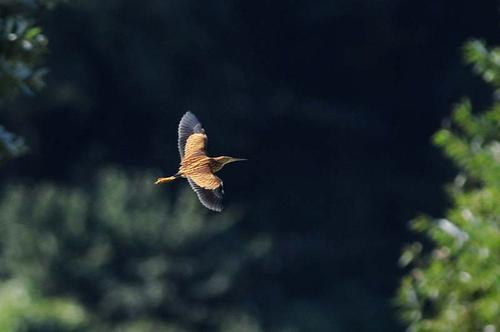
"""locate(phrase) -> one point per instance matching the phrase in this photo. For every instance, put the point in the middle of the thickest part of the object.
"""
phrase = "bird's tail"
(165, 180)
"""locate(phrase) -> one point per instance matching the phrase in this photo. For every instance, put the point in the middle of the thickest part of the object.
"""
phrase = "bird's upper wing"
(195, 145)
(191, 136)
(210, 198)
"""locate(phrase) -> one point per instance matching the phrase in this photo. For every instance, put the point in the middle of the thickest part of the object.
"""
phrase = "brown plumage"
(196, 166)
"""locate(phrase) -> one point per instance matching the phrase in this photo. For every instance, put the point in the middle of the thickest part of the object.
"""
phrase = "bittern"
(196, 166)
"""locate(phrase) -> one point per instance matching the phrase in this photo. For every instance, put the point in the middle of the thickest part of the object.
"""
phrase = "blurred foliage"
(23, 309)
(22, 47)
(10, 145)
(455, 284)
(22, 44)
(133, 261)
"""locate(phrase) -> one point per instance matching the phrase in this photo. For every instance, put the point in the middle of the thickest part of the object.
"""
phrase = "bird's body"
(196, 166)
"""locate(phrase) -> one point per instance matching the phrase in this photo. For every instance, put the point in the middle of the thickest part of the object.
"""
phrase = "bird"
(196, 166)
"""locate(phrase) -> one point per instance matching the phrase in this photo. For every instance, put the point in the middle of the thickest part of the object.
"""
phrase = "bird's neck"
(215, 165)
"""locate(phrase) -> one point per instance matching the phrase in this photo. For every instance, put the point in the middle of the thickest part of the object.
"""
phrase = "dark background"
(332, 102)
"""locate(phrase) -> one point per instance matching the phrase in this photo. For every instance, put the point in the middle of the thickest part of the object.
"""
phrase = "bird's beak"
(236, 159)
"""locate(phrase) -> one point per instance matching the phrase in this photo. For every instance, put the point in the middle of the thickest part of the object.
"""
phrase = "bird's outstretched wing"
(191, 142)
(210, 198)
(191, 135)
(195, 145)
(204, 178)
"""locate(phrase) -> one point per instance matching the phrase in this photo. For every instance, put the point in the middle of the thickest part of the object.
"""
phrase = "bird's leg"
(165, 180)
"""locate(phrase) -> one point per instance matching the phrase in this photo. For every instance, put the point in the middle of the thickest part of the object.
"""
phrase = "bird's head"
(223, 160)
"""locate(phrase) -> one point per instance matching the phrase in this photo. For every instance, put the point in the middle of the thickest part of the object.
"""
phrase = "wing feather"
(188, 126)
(204, 178)
(195, 145)
(210, 198)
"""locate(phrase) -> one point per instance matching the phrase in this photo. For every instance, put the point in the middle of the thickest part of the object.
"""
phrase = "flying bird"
(196, 166)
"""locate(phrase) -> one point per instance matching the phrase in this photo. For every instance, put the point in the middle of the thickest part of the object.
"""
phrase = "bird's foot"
(164, 180)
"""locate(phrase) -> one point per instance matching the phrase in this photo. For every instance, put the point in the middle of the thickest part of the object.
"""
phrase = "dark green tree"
(22, 49)
(23, 308)
(133, 261)
(454, 279)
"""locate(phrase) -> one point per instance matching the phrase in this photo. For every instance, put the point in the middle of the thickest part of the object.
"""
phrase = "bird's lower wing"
(210, 198)
(204, 177)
